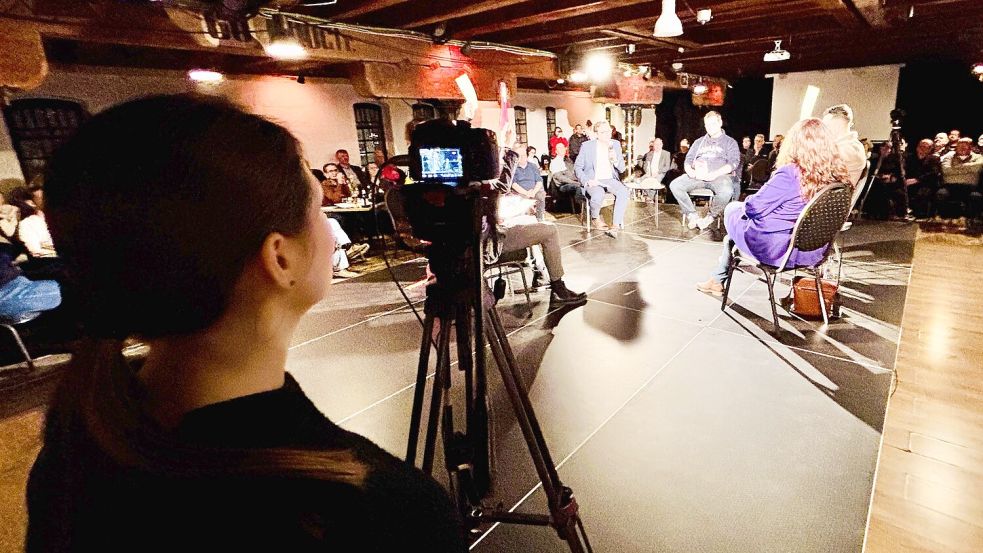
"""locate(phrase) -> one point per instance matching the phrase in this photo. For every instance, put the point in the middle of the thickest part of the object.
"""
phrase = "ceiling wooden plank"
(540, 12)
(845, 13)
(664, 42)
(446, 10)
(338, 12)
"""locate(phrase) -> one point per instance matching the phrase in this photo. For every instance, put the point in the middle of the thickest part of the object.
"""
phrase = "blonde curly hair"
(811, 148)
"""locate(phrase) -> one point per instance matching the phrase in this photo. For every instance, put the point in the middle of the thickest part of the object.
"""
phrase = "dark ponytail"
(156, 205)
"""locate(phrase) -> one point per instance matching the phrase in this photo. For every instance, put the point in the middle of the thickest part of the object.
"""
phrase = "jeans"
(596, 196)
(723, 262)
(723, 192)
(523, 232)
(21, 298)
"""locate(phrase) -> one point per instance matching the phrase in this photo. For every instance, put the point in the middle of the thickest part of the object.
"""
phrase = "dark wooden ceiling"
(820, 34)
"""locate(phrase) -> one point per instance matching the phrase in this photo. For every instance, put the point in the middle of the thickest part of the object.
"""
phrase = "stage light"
(630, 49)
(978, 69)
(678, 66)
(205, 76)
(286, 50)
(704, 16)
(561, 80)
(578, 77)
(598, 67)
(699, 89)
(668, 23)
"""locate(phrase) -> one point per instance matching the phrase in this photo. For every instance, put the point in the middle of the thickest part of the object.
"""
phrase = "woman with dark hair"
(761, 226)
(210, 445)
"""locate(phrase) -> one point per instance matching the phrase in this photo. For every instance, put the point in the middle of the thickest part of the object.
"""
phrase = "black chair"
(818, 226)
(510, 263)
(760, 173)
(402, 231)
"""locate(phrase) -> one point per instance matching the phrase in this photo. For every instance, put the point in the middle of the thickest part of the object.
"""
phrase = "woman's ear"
(279, 259)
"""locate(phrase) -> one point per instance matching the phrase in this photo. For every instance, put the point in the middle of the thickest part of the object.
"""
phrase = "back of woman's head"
(157, 204)
(812, 149)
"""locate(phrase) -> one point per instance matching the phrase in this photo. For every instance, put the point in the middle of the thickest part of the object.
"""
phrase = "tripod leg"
(562, 506)
(421, 385)
(441, 381)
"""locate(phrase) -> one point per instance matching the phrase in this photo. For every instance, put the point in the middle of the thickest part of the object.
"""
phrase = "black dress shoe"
(537, 280)
(559, 293)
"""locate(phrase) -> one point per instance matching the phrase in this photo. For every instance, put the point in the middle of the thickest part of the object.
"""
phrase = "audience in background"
(9, 217)
(526, 180)
(923, 176)
(961, 170)
(757, 152)
(599, 167)
(576, 141)
(761, 226)
(711, 163)
(21, 298)
(979, 145)
(885, 186)
(839, 119)
(334, 188)
(533, 158)
(557, 138)
(745, 145)
(954, 136)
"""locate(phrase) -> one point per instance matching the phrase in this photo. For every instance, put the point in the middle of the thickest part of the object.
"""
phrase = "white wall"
(319, 112)
(870, 91)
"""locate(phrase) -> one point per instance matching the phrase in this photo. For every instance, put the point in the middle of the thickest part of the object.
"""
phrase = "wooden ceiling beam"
(437, 11)
(341, 11)
(539, 13)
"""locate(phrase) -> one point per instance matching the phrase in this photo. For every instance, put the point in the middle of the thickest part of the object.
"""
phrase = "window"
(423, 112)
(38, 126)
(550, 123)
(520, 125)
(371, 134)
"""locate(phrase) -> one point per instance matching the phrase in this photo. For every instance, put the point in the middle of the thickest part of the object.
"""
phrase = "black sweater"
(398, 508)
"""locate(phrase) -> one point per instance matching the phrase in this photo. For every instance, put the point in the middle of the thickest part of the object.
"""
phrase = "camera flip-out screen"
(441, 163)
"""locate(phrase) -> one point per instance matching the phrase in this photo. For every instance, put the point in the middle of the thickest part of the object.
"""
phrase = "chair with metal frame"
(510, 263)
(11, 324)
(818, 226)
(645, 185)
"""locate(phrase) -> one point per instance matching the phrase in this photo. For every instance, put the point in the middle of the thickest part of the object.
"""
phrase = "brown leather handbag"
(805, 300)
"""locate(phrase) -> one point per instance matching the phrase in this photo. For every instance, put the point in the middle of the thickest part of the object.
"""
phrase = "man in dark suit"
(599, 168)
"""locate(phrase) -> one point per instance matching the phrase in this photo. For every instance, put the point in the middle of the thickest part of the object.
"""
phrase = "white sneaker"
(690, 220)
(704, 222)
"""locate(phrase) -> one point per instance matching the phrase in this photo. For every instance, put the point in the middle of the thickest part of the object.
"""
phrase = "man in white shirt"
(599, 167)
(839, 120)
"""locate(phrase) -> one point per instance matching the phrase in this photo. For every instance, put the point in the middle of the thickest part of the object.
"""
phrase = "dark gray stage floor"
(680, 427)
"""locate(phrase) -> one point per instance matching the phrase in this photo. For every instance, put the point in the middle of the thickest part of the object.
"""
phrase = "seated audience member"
(527, 181)
(839, 119)
(979, 145)
(557, 138)
(923, 175)
(563, 176)
(599, 168)
(961, 170)
(745, 144)
(755, 153)
(954, 136)
(533, 158)
(379, 157)
(711, 163)
(210, 442)
(776, 145)
(676, 165)
(21, 298)
(577, 139)
(9, 217)
(372, 169)
(517, 231)
(334, 189)
(761, 226)
(941, 144)
(354, 174)
(32, 230)
(655, 163)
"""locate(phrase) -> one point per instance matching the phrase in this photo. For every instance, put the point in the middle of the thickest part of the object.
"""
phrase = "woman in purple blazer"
(761, 226)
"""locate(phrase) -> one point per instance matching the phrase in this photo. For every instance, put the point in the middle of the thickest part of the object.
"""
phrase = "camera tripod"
(468, 454)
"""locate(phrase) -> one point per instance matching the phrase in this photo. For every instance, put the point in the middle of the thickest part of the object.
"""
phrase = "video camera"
(450, 165)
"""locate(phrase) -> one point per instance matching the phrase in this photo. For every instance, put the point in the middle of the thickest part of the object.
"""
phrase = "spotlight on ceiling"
(598, 67)
(777, 54)
(466, 49)
(578, 77)
(704, 16)
(440, 30)
(978, 69)
(205, 76)
(668, 24)
(678, 66)
(699, 89)
(630, 49)
(285, 49)
(561, 80)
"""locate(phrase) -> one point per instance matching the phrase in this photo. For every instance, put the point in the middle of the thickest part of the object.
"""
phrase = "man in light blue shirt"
(712, 162)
